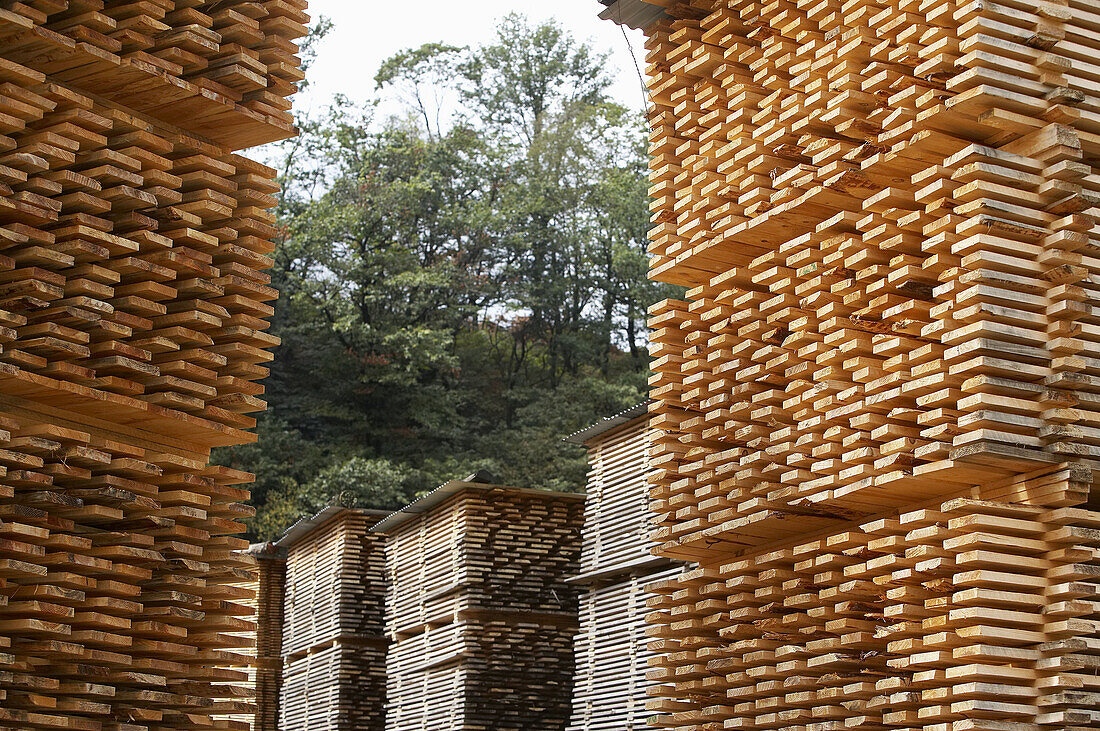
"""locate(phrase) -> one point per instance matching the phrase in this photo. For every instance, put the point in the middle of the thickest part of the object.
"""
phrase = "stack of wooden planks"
(478, 609)
(132, 306)
(958, 614)
(877, 406)
(609, 683)
(616, 509)
(332, 643)
(242, 715)
(265, 674)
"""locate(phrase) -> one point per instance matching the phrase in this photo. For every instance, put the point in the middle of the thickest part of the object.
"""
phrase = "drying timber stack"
(266, 672)
(879, 404)
(609, 683)
(332, 641)
(479, 612)
(132, 306)
(244, 642)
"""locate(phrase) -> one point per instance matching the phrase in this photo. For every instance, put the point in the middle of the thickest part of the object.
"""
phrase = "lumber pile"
(609, 683)
(960, 614)
(132, 306)
(332, 643)
(887, 267)
(222, 69)
(479, 613)
(265, 673)
(877, 405)
(261, 599)
(615, 536)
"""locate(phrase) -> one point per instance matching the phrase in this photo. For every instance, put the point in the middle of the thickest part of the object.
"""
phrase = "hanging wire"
(647, 101)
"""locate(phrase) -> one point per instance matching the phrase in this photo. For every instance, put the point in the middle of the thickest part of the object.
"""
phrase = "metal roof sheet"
(632, 13)
(605, 425)
(439, 495)
(305, 526)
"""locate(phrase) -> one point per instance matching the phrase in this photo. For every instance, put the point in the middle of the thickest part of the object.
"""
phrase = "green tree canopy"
(460, 287)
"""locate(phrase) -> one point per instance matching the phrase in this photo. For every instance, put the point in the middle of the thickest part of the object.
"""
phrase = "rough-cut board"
(479, 614)
(878, 404)
(132, 333)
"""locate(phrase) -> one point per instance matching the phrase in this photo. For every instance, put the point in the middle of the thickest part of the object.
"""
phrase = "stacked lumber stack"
(132, 298)
(265, 673)
(478, 609)
(616, 509)
(222, 69)
(958, 614)
(270, 593)
(427, 677)
(886, 260)
(609, 683)
(337, 686)
(332, 641)
(877, 403)
(262, 639)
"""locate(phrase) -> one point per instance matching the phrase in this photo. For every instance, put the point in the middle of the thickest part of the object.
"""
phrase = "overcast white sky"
(366, 32)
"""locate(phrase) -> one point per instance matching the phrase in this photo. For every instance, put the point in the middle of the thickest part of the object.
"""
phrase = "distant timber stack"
(610, 685)
(480, 615)
(333, 646)
(266, 673)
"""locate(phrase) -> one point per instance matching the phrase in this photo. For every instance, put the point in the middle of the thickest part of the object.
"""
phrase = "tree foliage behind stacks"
(461, 285)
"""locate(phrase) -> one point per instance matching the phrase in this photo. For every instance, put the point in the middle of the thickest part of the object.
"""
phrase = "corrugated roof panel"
(426, 503)
(607, 424)
(632, 13)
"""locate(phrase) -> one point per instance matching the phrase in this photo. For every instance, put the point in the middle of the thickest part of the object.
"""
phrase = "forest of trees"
(462, 283)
